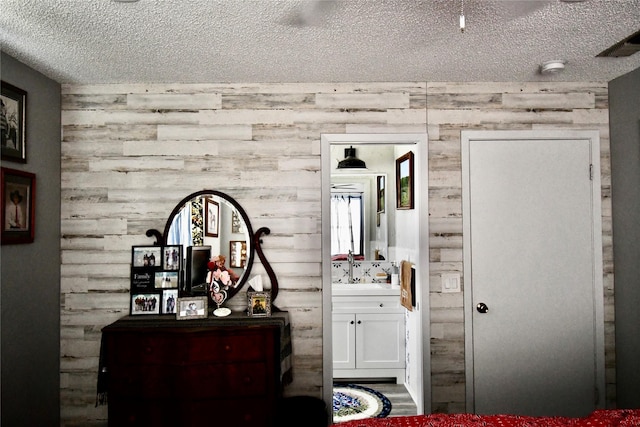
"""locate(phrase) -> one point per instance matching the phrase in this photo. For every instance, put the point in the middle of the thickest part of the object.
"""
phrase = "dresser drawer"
(145, 381)
(225, 380)
(367, 304)
(237, 347)
(144, 349)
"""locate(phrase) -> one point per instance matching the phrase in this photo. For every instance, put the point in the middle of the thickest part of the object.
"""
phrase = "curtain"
(346, 223)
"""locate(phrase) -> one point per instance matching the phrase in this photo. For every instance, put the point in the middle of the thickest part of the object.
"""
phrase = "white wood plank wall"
(131, 152)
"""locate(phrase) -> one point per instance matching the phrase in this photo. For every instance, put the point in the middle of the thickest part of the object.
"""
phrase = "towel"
(406, 275)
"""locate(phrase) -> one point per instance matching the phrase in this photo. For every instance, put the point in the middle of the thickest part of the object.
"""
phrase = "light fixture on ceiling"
(552, 67)
(462, 18)
(350, 160)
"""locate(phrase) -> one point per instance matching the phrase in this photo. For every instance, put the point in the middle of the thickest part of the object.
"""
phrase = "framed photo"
(171, 257)
(13, 102)
(18, 206)
(146, 257)
(166, 280)
(380, 193)
(238, 253)
(211, 218)
(145, 303)
(404, 181)
(259, 304)
(169, 301)
(192, 308)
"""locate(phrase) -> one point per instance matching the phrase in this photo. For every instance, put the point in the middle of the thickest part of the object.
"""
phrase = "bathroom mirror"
(210, 224)
(359, 216)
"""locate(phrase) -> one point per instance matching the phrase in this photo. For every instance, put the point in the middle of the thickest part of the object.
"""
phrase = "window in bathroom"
(347, 224)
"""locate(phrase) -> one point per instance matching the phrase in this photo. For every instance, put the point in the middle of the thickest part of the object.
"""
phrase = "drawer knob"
(227, 347)
(381, 305)
(352, 322)
(247, 380)
(359, 322)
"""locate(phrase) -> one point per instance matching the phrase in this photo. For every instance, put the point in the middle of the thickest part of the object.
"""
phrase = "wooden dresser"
(214, 371)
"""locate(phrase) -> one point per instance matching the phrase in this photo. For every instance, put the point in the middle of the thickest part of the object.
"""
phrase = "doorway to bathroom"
(391, 232)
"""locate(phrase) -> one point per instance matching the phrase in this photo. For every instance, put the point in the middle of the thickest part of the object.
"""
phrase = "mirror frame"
(250, 256)
(254, 239)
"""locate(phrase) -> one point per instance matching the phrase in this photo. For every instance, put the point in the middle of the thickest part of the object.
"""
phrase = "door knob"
(482, 308)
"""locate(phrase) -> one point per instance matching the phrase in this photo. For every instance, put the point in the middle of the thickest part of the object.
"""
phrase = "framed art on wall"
(13, 102)
(404, 181)
(18, 206)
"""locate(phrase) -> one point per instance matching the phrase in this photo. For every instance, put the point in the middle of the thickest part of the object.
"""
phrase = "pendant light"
(350, 160)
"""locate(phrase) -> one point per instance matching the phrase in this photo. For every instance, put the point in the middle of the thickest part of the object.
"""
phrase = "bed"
(599, 418)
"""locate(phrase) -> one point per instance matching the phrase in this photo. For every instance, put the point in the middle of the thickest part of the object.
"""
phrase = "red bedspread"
(600, 418)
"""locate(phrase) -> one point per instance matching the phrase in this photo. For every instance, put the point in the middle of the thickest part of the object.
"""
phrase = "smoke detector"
(552, 67)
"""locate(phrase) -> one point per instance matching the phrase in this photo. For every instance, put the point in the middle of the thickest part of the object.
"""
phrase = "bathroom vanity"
(368, 331)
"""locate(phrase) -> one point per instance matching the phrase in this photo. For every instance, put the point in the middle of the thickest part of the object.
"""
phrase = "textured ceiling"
(242, 41)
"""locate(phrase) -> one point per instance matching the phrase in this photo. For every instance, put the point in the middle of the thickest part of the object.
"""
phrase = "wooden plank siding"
(130, 152)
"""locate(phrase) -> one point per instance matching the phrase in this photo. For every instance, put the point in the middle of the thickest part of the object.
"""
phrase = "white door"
(533, 257)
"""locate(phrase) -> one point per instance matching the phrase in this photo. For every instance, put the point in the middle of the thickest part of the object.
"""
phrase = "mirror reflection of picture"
(212, 213)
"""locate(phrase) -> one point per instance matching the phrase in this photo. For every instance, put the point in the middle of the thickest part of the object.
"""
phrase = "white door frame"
(421, 197)
(598, 285)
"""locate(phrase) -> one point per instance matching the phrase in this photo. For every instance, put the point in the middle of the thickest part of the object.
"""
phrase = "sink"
(364, 289)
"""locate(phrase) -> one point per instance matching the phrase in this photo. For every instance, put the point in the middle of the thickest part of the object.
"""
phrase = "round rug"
(355, 402)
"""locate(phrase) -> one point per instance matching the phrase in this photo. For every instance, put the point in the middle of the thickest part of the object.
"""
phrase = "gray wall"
(624, 109)
(30, 297)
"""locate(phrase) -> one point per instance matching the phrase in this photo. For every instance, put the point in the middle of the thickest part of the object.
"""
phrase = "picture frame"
(404, 181)
(236, 223)
(166, 280)
(18, 206)
(380, 186)
(13, 109)
(192, 308)
(172, 258)
(145, 303)
(259, 304)
(146, 257)
(169, 301)
(237, 253)
(142, 280)
(211, 218)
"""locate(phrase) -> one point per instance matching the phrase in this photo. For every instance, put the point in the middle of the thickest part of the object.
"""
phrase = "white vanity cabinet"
(368, 335)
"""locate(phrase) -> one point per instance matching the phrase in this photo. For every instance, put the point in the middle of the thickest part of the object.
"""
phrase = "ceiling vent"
(626, 47)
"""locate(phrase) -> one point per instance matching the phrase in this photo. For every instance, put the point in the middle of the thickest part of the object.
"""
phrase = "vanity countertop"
(349, 289)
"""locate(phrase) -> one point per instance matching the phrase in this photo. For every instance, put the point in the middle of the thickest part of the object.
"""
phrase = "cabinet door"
(380, 341)
(344, 341)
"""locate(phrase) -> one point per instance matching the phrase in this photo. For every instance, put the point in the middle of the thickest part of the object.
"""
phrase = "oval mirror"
(211, 226)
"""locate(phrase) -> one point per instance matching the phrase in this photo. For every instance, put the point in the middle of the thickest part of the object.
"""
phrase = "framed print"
(259, 304)
(166, 279)
(192, 308)
(169, 301)
(18, 206)
(13, 104)
(238, 253)
(145, 303)
(211, 218)
(171, 257)
(147, 257)
(380, 193)
(404, 181)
